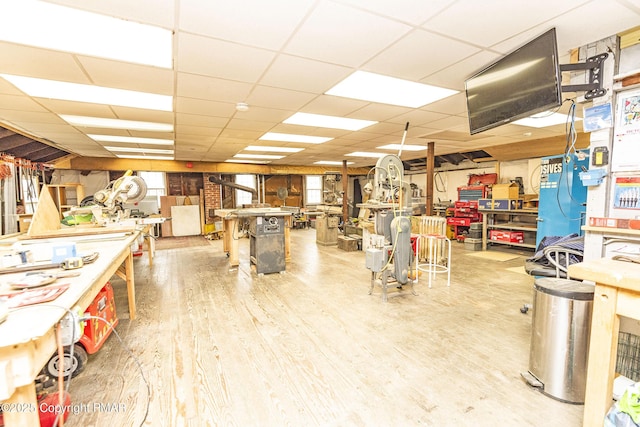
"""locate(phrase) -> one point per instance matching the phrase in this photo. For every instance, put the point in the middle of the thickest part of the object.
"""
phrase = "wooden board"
(165, 210)
(186, 220)
(46, 218)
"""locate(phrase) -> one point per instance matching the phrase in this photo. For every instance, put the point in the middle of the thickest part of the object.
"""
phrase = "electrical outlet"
(70, 329)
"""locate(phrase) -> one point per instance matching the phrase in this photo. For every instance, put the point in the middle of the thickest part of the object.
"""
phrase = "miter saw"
(126, 189)
(106, 204)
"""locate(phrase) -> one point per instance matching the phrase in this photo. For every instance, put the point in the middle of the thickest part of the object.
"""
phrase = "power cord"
(75, 322)
(133, 356)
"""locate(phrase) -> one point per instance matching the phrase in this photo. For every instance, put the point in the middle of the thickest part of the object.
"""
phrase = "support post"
(430, 172)
(345, 193)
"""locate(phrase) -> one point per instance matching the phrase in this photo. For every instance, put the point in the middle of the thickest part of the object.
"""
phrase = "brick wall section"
(212, 198)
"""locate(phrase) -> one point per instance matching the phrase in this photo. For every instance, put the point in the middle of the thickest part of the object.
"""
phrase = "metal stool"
(436, 247)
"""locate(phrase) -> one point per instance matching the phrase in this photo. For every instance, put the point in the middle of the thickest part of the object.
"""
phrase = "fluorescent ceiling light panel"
(54, 89)
(388, 90)
(130, 139)
(258, 156)
(99, 122)
(269, 149)
(130, 156)
(138, 150)
(289, 137)
(406, 147)
(330, 162)
(258, 162)
(332, 122)
(366, 154)
(49, 26)
(543, 119)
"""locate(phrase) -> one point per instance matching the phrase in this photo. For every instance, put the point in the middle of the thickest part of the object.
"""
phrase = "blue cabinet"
(563, 198)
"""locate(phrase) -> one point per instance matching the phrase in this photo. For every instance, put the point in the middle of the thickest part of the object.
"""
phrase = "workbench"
(617, 293)
(28, 338)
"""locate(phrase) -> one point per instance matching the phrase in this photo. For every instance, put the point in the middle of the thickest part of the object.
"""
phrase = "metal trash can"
(560, 332)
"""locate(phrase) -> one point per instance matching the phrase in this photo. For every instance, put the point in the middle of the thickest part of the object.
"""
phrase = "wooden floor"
(310, 347)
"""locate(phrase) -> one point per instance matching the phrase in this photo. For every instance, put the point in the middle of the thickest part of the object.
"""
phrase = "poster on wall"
(629, 113)
(597, 117)
(627, 192)
(626, 144)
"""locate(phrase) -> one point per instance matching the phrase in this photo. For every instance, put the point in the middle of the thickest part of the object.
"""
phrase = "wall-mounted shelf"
(524, 220)
(66, 196)
(611, 230)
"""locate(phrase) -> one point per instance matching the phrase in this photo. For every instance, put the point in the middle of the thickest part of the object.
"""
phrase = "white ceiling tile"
(486, 23)
(202, 107)
(243, 134)
(380, 112)
(291, 72)
(199, 120)
(454, 76)
(34, 117)
(22, 103)
(215, 89)
(123, 75)
(283, 99)
(154, 12)
(197, 130)
(252, 22)
(138, 114)
(263, 114)
(343, 35)
(418, 54)
(77, 108)
(413, 12)
(453, 105)
(28, 61)
(253, 125)
(417, 118)
(217, 58)
(333, 105)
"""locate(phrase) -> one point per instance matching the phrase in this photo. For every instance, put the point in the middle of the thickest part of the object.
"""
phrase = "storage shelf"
(513, 226)
(522, 245)
(514, 220)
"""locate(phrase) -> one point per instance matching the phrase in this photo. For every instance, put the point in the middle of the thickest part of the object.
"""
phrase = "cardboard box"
(506, 236)
(505, 191)
(485, 204)
(500, 204)
(507, 204)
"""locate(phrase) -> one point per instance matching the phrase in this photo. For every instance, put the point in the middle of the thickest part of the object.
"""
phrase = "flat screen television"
(522, 83)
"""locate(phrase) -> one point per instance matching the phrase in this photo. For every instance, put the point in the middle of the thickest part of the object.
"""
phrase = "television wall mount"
(593, 66)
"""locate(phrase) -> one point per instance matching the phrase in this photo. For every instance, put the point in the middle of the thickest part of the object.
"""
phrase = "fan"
(282, 194)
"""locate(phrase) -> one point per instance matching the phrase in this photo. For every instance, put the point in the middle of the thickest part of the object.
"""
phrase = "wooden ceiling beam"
(101, 163)
(535, 148)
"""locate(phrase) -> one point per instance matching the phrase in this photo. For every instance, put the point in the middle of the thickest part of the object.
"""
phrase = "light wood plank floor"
(310, 347)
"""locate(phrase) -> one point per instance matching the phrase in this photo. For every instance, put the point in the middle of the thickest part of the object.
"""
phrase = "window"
(155, 184)
(313, 189)
(244, 197)
(30, 185)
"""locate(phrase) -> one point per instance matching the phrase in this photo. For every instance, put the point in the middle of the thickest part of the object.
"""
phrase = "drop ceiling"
(281, 56)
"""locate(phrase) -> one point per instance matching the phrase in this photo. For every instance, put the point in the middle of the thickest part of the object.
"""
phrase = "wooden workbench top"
(622, 274)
